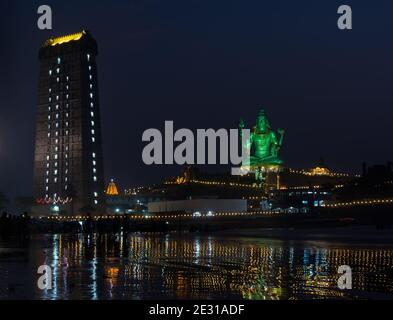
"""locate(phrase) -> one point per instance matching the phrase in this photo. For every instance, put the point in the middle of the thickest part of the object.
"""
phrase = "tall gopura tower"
(68, 168)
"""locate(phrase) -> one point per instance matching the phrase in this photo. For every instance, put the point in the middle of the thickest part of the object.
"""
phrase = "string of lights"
(218, 214)
(356, 203)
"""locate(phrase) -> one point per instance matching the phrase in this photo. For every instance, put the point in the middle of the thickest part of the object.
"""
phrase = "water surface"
(192, 266)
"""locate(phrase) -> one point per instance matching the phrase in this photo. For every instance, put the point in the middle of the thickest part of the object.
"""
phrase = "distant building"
(375, 183)
(68, 162)
(198, 206)
(300, 197)
(301, 189)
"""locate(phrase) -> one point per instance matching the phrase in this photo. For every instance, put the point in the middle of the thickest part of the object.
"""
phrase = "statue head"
(262, 124)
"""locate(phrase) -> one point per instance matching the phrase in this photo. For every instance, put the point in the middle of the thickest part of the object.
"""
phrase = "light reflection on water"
(159, 266)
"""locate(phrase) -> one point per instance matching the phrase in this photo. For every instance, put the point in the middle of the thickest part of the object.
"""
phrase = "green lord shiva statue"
(266, 145)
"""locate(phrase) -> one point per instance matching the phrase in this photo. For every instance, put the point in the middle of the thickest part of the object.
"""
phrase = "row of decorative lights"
(330, 174)
(233, 184)
(93, 130)
(222, 214)
(57, 128)
(216, 183)
(300, 188)
(153, 217)
(354, 203)
(254, 198)
(136, 190)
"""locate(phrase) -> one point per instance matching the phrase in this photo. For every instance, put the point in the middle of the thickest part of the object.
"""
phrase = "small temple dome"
(112, 189)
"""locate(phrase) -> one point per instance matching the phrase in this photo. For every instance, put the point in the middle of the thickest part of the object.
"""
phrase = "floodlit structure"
(267, 144)
(111, 190)
(68, 162)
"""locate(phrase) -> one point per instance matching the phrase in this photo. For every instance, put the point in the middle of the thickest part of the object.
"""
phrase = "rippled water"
(159, 266)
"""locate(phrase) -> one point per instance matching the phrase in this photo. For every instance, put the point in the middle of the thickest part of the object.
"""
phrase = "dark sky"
(206, 64)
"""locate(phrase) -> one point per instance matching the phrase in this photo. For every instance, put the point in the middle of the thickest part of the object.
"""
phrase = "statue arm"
(281, 132)
(278, 141)
(250, 141)
(275, 141)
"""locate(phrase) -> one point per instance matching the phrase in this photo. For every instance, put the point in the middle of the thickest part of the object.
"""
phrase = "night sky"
(205, 64)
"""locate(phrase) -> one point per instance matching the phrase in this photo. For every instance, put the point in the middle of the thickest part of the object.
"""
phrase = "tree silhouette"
(73, 194)
(3, 201)
(24, 203)
(87, 209)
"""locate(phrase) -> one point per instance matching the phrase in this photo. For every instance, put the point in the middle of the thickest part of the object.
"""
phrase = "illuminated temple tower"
(68, 163)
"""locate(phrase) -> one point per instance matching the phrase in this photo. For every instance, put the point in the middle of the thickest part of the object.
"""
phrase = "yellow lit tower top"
(64, 39)
(112, 189)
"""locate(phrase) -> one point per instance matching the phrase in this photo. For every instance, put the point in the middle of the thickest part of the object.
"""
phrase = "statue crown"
(262, 113)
